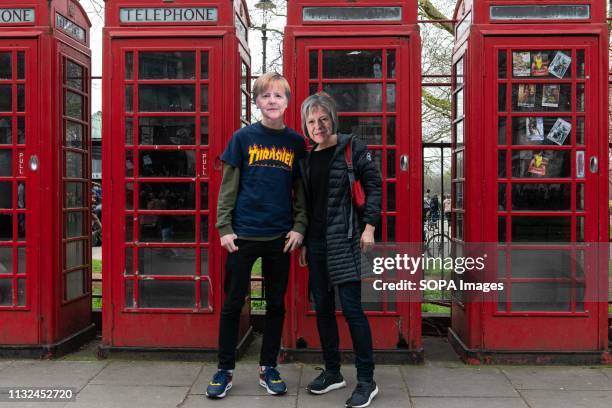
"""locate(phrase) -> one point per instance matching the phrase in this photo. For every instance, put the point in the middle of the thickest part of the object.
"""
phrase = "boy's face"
(272, 102)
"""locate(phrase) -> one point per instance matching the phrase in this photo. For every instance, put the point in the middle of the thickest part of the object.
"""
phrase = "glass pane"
(546, 163)
(356, 97)
(391, 163)
(313, 64)
(541, 296)
(352, 64)
(391, 229)
(129, 196)
(459, 133)
(501, 229)
(542, 97)
(459, 226)
(391, 97)
(129, 131)
(204, 262)
(501, 197)
(459, 71)
(6, 292)
(21, 227)
(6, 227)
(129, 293)
(6, 260)
(204, 131)
(75, 254)
(391, 197)
(74, 224)
(459, 164)
(167, 196)
(579, 131)
(129, 262)
(580, 97)
(204, 228)
(501, 97)
(6, 194)
(541, 229)
(544, 197)
(74, 165)
(6, 131)
(541, 63)
(167, 261)
(129, 228)
(166, 131)
(22, 261)
(74, 135)
(204, 65)
(391, 131)
(129, 65)
(579, 229)
(73, 195)
(5, 98)
(6, 65)
(204, 98)
(166, 98)
(129, 164)
(501, 131)
(21, 130)
(580, 197)
(20, 65)
(204, 196)
(538, 12)
(368, 129)
(167, 163)
(501, 64)
(205, 294)
(75, 75)
(129, 98)
(21, 98)
(458, 197)
(390, 63)
(580, 63)
(21, 292)
(166, 65)
(540, 130)
(74, 284)
(167, 228)
(459, 104)
(6, 163)
(74, 105)
(166, 294)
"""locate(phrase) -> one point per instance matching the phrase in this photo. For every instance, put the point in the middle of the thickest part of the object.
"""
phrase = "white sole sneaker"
(372, 395)
(329, 388)
(227, 388)
(263, 384)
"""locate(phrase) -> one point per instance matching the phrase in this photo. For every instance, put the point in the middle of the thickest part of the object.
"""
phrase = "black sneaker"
(363, 395)
(326, 381)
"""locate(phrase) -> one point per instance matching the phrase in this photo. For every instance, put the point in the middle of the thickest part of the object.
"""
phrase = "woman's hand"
(367, 238)
(293, 241)
(227, 242)
(302, 261)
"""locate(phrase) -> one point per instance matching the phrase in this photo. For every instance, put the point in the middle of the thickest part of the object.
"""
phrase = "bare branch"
(432, 13)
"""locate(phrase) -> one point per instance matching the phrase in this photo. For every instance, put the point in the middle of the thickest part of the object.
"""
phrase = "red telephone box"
(176, 86)
(45, 261)
(530, 169)
(367, 56)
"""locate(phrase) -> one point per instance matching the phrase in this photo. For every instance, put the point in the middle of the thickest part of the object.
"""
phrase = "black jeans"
(275, 270)
(350, 298)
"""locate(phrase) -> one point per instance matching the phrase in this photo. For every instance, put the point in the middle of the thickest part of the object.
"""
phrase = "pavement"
(442, 382)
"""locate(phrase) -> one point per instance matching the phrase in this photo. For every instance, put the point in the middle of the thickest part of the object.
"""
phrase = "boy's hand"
(293, 241)
(302, 261)
(227, 242)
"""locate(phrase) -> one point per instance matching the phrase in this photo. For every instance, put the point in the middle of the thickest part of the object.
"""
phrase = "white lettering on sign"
(204, 164)
(12, 16)
(71, 28)
(169, 15)
(20, 164)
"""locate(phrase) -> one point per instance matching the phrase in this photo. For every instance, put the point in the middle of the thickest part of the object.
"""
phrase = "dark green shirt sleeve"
(227, 199)
(300, 219)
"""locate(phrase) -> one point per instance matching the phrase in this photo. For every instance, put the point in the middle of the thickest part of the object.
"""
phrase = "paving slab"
(32, 373)
(466, 402)
(567, 399)
(431, 381)
(233, 401)
(146, 373)
(113, 396)
(393, 397)
(34, 404)
(558, 378)
(4, 364)
(246, 379)
(385, 375)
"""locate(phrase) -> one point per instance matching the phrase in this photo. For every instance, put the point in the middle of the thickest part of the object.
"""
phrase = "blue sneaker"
(220, 384)
(270, 379)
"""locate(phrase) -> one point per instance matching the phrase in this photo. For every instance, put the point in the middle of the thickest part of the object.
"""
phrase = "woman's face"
(319, 125)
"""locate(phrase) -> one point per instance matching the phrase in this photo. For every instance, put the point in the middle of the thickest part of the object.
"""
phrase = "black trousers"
(275, 270)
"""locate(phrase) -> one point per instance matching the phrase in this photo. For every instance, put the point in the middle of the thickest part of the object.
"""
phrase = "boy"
(255, 219)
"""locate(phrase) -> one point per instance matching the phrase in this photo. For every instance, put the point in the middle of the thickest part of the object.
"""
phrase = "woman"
(333, 243)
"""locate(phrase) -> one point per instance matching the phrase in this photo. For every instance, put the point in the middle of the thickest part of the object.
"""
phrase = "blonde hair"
(263, 82)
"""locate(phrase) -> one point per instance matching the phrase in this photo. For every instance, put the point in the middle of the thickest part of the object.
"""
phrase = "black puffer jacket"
(343, 252)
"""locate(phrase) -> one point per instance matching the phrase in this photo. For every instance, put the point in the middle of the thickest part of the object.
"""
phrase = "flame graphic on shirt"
(282, 156)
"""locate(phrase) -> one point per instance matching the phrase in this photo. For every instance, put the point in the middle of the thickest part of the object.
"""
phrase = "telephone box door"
(547, 126)
(370, 81)
(19, 193)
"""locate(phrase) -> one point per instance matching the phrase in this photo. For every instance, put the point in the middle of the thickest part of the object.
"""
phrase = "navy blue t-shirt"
(268, 162)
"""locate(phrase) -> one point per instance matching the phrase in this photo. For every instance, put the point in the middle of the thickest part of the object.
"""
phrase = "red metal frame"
(138, 324)
(398, 325)
(47, 318)
(481, 329)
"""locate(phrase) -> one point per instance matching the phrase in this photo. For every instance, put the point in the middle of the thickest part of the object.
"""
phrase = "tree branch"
(432, 13)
